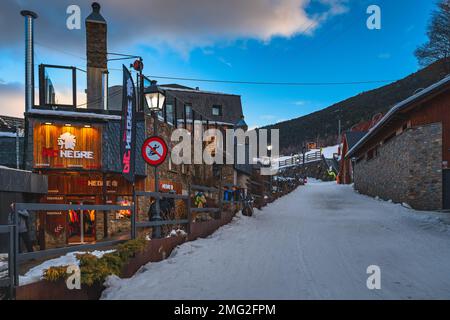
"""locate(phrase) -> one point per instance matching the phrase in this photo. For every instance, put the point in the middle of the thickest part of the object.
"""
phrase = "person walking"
(23, 216)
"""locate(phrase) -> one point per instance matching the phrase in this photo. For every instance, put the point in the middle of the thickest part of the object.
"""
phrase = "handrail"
(160, 195)
(298, 159)
(205, 209)
(64, 207)
(203, 188)
(160, 223)
(15, 258)
(60, 251)
(5, 228)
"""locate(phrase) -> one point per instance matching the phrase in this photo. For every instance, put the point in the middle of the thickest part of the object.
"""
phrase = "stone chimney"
(96, 52)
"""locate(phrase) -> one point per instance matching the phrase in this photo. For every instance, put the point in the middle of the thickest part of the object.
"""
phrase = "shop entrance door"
(81, 223)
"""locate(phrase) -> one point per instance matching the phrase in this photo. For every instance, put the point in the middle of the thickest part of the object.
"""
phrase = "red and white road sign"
(154, 150)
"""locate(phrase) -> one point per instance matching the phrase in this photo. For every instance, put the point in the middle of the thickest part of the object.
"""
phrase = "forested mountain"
(322, 125)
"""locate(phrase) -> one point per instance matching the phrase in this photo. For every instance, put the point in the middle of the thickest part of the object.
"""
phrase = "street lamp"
(155, 98)
(155, 101)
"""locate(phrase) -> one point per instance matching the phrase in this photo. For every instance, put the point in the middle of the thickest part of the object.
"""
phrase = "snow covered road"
(315, 243)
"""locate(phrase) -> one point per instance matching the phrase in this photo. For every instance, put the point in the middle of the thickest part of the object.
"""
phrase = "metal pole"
(17, 149)
(220, 192)
(303, 151)
(16, 246)
(81, 225)
(105, 213)
(142, 88)
(189, 212)
(105, 90)
(156, 217)
(29, 58)
(133, 214)
(11, 267)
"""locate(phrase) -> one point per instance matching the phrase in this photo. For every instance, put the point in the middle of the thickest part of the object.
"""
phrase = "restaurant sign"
(65, 147)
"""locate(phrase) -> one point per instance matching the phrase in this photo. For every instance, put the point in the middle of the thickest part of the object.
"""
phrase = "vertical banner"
(128, 126)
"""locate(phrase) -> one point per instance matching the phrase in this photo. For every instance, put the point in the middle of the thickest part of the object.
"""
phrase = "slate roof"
(436, 87)
(353, 137)
(201, 101)
(9, 124)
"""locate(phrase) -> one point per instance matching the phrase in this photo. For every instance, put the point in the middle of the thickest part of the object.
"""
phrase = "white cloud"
(178, 24)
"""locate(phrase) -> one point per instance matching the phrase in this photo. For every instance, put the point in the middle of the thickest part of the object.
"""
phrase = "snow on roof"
(10, 134)
(399, 106)
(329, 152)
(170, 88)
(74, 114)
(14, 169)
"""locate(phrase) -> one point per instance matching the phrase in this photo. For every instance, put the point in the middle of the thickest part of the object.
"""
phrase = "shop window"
(188, 111)
(169, 113)
(123, 201)
(217, 110)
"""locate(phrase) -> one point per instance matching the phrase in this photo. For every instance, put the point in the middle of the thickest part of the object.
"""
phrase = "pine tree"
(438, 45)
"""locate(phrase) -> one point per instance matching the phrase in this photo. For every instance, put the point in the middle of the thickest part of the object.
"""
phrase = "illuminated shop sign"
(63, 146)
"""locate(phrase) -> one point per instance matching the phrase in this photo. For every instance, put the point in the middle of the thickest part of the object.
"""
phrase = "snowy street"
(315, 243)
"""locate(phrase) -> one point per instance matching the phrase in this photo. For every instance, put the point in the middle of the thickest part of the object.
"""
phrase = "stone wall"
(8, 154)
(408, 168)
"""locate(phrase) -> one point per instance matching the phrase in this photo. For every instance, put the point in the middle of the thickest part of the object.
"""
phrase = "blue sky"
(253, 46)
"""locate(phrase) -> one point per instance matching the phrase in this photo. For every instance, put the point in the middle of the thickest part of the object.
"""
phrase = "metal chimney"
(29, 58)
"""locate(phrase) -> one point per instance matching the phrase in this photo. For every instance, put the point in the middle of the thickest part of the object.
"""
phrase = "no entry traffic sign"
(154, 151)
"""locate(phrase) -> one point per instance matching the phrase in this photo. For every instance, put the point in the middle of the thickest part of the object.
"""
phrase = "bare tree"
(438, 45)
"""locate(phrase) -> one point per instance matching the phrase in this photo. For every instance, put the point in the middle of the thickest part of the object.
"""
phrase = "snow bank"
(314, 243)
(36, 273)
(3, 265)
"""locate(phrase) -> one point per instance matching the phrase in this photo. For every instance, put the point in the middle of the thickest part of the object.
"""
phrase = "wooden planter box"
(156, 250)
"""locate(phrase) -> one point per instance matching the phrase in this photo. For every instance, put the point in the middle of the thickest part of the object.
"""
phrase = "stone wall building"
(405, 156)
(11, 142)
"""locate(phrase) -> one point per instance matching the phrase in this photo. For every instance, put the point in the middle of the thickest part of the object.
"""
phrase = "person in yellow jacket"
(200, 200)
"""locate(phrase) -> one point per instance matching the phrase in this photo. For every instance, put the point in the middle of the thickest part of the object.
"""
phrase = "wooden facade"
(431, 109)
(435, 110)
(67, 146)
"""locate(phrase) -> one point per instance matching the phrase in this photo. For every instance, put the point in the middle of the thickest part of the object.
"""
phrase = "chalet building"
(348, 141)
(405, 156)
